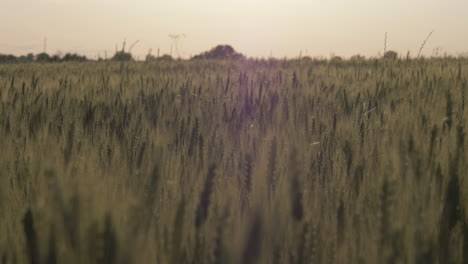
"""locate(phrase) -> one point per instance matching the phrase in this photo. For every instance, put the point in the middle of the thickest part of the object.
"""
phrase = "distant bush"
(220, 52)
(55, 58)
(122, 56)
(7, 58)
(24, 59)
(74, 57)
(165, 58)
(357, 57)
(151, 58)
(43, 57)
(392, 55)
(13, 59)
(336, 60)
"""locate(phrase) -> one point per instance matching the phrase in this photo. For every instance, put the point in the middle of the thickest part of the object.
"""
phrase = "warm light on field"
(233, 131)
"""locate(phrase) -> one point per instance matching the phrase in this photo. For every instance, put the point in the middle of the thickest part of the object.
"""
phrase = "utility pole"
(385, 44)
(175, 42)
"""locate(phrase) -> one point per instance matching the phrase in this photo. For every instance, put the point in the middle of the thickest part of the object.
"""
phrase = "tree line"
(41, 57)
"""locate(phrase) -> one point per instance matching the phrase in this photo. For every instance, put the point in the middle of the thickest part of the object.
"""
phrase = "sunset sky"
(257, 28)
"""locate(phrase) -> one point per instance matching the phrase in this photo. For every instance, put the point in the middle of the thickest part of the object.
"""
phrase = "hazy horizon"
(256, 28)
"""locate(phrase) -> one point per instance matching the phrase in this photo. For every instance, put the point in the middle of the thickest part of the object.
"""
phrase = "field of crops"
(250, 161)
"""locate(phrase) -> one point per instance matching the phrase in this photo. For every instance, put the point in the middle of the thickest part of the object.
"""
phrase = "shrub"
(43, 57)
(220, 52)
(392, 55)
(122, 56)
(74, 57)
(7, 58)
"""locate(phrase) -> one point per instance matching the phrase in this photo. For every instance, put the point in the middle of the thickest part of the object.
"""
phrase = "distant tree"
(21, 59)
(74, 57)
(7, 58)
(150, 58)
(122, 56)
(42, 57)
(336, 60)
(165, 57)
(221, 52)
(25, 59)
(391, 55)
(29, 57)
(13, 59)
(357, 57)
(55, 58)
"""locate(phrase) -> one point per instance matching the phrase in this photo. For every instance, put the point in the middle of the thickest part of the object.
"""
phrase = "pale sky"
(256, 28)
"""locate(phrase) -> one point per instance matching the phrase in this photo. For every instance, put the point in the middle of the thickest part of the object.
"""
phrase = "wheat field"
(249, 161)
